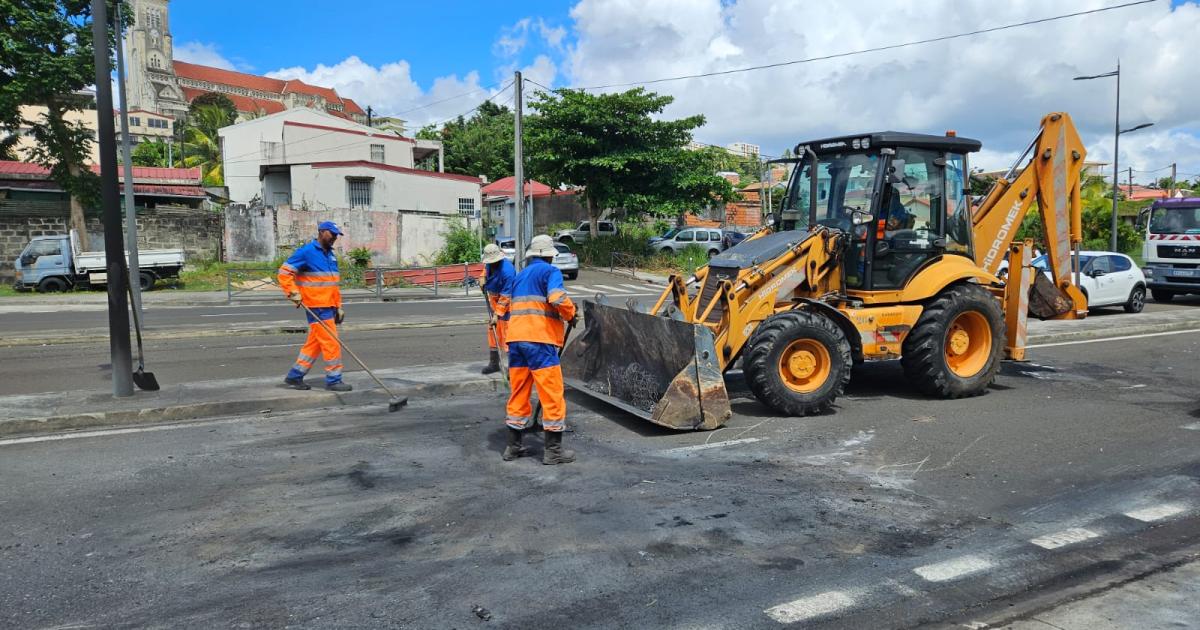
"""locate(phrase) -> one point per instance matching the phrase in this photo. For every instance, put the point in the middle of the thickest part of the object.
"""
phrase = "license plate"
(1184, 273)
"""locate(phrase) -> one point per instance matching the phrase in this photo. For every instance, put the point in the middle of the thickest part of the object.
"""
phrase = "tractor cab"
(901, 199)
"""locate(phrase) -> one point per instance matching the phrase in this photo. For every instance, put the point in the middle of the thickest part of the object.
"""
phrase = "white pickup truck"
(54, 263)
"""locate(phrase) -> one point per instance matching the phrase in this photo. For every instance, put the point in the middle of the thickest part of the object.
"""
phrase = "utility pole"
(370, 116)
(114, 246)
(1116, 152)
(131, 233)
(518, 173)
(170, 152)
(1129, 178)
(1171, 189)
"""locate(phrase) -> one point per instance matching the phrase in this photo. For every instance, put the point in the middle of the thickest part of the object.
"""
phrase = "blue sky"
(442, 56)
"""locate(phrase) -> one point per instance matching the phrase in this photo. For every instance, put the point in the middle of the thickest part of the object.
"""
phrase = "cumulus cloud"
(994, 87)
(203, 54)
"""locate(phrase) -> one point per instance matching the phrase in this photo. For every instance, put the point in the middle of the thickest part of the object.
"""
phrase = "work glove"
(492, 320)
(574, 319)
(294, 296)
(341, 316)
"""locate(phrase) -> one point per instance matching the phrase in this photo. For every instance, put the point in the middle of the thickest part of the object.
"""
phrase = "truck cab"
(45, 264)
(1171, 247)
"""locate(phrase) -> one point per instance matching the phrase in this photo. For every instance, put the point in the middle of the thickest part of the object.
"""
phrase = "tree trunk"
(77, 222)
(593, 217)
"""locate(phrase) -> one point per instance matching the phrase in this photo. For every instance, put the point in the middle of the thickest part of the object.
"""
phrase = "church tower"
(152, 82)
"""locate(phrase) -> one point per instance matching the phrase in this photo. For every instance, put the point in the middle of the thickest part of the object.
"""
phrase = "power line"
(450, 98)
(867, 50)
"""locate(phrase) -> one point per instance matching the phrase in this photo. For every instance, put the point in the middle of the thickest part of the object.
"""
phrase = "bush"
(462, 245)
(360, 256)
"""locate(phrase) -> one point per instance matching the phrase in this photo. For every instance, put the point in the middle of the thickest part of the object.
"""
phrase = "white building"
(743, 149)
(307, 158)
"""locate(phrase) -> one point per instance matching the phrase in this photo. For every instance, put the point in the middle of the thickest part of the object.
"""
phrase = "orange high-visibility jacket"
(538, 305)
(313, 271)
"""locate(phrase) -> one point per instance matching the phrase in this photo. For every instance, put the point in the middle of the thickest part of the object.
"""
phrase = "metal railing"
(363, 283)
(623, 263)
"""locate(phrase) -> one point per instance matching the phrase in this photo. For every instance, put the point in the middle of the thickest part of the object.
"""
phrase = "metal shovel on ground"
(144, 380)
(396, 402)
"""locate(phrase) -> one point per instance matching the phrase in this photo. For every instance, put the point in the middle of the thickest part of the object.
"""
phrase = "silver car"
(566, 261)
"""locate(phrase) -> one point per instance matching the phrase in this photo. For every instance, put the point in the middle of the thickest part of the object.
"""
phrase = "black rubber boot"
(339, 387)
(493, 365)
(514, 448)
(296, 383)
(555, 453)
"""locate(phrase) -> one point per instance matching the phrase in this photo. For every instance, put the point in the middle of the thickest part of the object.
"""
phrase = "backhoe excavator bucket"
(660, 369)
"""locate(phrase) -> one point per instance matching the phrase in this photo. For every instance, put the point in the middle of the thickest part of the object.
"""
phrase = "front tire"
(954, 350)
(52, 285)
(1136, 301)
(1162, 295)
(797, 363)
(146, 281)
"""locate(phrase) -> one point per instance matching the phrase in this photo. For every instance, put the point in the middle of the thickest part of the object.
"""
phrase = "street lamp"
(1117, 131)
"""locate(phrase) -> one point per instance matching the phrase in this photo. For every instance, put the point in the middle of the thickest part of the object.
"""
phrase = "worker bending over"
(498, 276)
(538, 307)
(310, 278)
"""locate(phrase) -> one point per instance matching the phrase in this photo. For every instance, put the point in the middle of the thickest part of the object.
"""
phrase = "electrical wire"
(865, 50)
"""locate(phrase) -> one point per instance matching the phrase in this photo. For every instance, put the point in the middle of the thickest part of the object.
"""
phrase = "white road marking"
(103, 432)
(637, 287)
(609, 289)
(1072, 343)
(1195, 426)
(1157, 512)
(809, 607)
(579, 288)
(1064, 538)
(953, 569)
(703, 447)
(231, 314)
(273, 345)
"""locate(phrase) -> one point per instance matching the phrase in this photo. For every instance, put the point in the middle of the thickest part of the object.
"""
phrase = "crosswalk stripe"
(608, 288)
(637, 287)
(579, 288)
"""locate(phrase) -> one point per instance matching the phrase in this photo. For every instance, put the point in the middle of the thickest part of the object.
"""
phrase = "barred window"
(358, 192)
(377, 153)
(466, 207)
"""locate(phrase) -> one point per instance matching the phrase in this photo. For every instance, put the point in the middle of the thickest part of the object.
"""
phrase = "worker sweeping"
(498, 277)
(538, 308)
(310, 278)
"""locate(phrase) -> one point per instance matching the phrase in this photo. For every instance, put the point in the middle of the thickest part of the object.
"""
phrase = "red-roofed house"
(550, 206)
(159, 83)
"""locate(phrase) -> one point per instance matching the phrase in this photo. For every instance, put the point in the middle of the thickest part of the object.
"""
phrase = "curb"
(1108, 333)
(282, 400)
(69, 337)
(168, 303)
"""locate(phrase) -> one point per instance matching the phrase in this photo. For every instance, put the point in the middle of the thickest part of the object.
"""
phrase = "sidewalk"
(1170, 599)
(67, 411)
(98, 300)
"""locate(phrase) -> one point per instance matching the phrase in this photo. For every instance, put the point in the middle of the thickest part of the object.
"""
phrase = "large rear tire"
(797, 363)
(954, 351)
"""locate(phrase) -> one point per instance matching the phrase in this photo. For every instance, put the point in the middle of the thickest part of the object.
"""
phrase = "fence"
(623, 263)
(358, 283)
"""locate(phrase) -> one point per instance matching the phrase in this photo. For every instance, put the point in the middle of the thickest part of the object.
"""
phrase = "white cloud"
(552, 35)
(994, 87)
(512, 40)
(203, 54)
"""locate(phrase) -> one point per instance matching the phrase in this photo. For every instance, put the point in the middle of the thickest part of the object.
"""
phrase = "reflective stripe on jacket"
(538, 305)
(313, 271)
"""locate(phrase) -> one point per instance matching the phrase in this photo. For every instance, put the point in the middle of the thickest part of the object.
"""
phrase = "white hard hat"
(542, 246)
(492, 253)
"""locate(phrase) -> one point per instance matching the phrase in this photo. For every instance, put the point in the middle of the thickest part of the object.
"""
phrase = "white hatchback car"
(1108, 279)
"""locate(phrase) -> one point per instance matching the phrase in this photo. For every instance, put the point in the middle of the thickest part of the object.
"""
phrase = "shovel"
(495, 330)
(144, 380)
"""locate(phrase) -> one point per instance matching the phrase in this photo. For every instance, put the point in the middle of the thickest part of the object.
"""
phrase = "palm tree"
(201, 144)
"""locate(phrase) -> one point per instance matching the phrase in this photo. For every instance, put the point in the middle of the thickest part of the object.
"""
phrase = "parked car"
(55, 263)
(583, 232)
(1107, 279)
(708, 239)
(566, 261)
(508, 245)
(733, 238)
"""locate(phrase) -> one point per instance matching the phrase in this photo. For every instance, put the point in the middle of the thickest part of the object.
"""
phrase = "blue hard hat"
(329, 225)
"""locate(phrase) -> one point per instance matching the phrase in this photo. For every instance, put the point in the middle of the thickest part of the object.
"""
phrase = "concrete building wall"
(249, 233)
(318, 188)
(35, 113)
(312, 144)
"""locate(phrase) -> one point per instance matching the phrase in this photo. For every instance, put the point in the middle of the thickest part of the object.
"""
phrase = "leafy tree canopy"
(479, 145)
(214, 99)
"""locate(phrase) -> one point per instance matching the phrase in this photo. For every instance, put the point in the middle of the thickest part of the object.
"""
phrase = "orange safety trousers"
(501, 326)
(535, 365)
(320, 341)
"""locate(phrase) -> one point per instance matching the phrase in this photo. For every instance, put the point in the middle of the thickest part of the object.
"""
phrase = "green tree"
(479, 145)
(46, 58)
(462, 245)
(1096, 201)
(201, 145)
(150, 153)
(214, 99)
(612, 145)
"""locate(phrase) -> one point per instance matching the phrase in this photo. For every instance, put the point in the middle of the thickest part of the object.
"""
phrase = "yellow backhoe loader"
(878, 253)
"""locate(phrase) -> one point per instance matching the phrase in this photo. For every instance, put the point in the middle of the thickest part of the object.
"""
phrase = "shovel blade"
(145, 381)
(660, 369)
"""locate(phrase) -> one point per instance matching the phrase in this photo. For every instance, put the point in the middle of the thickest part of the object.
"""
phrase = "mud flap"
(657, 368)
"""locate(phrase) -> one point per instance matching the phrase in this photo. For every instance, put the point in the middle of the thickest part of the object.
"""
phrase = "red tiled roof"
(352, 107)
(380, 135)
(396, 169)
(241, 103)
(300, 87)
(8, 167)
(155, 176)
(198, 72)
(506, 186)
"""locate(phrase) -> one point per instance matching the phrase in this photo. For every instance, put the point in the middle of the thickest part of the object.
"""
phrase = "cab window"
(37, 249)
(958, 210)
(910, 217)
(1120, 263)
(686, 236)
(714, 236)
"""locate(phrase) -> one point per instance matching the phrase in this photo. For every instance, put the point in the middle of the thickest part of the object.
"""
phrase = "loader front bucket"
(661, 369)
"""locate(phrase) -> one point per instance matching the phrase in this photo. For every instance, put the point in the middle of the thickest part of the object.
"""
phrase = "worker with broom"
(310, 279)
(538, 309)
(497, 279)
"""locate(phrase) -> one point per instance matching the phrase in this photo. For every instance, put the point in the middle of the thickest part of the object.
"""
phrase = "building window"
(134, 121)
(466, 207)
(358, 192)
(377, 153)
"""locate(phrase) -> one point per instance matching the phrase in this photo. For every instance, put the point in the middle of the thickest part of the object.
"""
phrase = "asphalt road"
(41, 317)
(895, 510)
